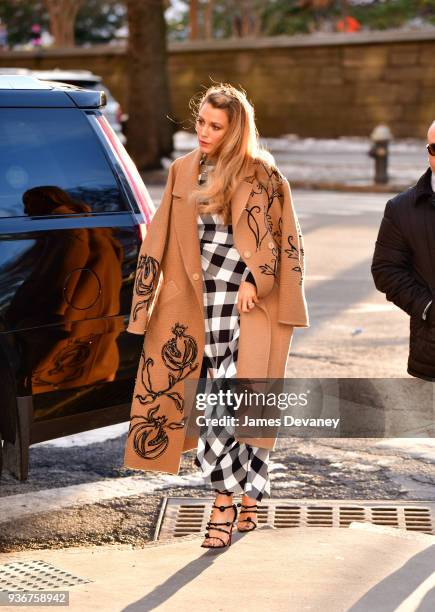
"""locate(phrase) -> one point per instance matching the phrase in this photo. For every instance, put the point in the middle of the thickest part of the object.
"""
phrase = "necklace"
(204, 167)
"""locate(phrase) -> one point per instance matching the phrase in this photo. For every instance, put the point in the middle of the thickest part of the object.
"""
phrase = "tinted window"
(51, 162)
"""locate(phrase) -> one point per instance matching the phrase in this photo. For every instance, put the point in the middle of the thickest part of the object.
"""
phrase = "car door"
(69, 242)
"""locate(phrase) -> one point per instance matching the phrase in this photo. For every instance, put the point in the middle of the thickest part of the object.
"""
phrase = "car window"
(51, 163)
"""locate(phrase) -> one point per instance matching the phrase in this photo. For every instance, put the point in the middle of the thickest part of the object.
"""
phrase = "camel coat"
(168, 305)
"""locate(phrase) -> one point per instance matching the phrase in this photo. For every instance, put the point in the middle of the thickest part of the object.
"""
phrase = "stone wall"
(320, 85)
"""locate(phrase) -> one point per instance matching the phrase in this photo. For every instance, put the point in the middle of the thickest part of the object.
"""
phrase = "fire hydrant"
(380, 137)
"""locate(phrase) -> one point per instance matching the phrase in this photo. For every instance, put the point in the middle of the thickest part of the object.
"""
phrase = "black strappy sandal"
(252, 523)
(227, 523)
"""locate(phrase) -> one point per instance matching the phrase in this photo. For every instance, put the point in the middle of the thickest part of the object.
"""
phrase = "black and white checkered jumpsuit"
(226, 464)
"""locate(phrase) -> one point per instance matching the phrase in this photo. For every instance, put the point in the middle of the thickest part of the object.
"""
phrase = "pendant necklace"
(204, 167)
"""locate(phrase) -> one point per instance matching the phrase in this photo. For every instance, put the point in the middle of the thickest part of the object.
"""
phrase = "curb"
(348, 187)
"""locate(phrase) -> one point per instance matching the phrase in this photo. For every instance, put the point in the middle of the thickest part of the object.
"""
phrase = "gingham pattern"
(225, 463)
(223, 271)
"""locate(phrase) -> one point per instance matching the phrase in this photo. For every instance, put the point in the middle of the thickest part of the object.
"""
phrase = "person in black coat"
(403, 265)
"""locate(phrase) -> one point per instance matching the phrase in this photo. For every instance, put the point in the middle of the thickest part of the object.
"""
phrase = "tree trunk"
(245, 21)
(62, 14)
(208, 19)
(149, 132)
(193, 19)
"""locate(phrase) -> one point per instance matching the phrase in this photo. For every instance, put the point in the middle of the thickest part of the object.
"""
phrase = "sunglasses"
(431, 148)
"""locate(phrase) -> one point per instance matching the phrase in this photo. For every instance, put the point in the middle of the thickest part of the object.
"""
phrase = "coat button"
(271, 245)
(247, 253)
(195, 276)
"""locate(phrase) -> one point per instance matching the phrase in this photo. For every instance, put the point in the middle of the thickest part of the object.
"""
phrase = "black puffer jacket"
(403, 268)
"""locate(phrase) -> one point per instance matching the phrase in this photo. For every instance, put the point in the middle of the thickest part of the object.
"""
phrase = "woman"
(242, 209)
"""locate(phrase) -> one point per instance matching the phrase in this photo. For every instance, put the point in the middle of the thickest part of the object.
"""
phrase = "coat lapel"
(239, 200)
(184, 213)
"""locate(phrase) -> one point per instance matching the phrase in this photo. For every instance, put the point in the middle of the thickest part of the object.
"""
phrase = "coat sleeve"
(248, 277)
(292, 306)
(148, 268)
(392, 268)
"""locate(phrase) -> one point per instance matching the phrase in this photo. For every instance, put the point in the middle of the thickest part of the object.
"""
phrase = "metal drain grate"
(181, 516)
(35, 575)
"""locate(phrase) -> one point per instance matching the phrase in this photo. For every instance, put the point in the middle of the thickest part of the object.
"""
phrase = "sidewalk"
(361, 568)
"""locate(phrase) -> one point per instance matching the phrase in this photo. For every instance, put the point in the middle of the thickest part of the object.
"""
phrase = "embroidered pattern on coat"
(150, 439)
(145, 282)
(271, 189)
(272, 268)
(178, 354)
(294, 253)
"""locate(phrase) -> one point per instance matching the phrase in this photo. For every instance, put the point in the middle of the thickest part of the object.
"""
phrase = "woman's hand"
(247, 297)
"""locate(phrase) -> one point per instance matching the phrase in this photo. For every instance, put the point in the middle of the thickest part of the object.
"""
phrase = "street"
(86, 498)
(354, 331)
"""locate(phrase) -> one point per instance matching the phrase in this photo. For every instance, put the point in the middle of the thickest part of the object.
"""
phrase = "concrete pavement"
(361, 568)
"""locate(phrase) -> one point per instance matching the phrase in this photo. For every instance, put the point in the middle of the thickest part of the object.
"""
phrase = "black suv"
(73, 212)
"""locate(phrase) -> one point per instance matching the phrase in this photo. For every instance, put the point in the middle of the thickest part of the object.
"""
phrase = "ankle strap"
(222, 508)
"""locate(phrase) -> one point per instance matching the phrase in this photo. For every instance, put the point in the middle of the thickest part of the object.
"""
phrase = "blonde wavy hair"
(239, 147)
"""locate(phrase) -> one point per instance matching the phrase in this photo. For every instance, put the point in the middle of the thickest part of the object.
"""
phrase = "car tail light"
(134, 179)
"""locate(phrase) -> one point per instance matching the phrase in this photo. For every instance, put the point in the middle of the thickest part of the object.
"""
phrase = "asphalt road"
(354, 333)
